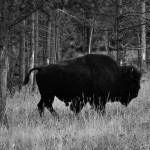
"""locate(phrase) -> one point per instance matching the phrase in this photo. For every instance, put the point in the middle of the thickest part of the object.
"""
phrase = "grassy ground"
(120, 129)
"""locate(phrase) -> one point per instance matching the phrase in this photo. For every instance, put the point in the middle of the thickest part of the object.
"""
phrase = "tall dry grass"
(119, 129)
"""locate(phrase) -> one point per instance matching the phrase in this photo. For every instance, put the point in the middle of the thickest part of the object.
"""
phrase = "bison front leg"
(76, 105)
(48, 102)
(40, 106)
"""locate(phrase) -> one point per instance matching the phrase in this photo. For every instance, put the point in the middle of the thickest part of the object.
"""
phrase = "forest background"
(40, 32)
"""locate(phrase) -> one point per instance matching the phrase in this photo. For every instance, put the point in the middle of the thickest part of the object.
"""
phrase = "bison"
(92, 78)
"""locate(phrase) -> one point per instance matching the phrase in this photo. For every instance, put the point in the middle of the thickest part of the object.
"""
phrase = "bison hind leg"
(40, 106)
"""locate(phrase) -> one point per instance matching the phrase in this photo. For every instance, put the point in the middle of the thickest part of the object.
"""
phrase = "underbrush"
(120, 128)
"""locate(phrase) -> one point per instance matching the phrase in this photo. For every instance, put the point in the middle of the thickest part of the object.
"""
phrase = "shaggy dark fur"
(91, 78)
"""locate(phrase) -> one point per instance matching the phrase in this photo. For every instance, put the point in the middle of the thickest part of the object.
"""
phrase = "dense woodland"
(40, 32)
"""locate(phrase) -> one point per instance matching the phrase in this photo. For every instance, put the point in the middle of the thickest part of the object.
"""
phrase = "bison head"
(130, 83)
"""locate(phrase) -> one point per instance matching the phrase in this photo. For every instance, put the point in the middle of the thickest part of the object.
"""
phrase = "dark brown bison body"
(91, 78)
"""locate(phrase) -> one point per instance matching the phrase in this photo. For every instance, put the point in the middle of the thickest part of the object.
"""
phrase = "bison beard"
(91, 78)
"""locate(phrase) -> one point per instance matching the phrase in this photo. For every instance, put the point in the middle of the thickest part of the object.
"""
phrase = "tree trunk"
(7, 14)
(22, 56)
(106, 40)
(35, 46)
(88, 35)
(3, 80)
(139, 50)
(10, 68)
(57, 35)
(28, 51)
(45, 43)
(53, 51)
(3, 64)
(36, 38)
(118, 44)
(90, 41)
(58, 56)
(143, 35)
(32, 49)
(49, 25)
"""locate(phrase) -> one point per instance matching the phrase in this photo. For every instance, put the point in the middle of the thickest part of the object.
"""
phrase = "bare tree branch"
(131, 27)
(116, 4)
(18, 20)
(63, 11)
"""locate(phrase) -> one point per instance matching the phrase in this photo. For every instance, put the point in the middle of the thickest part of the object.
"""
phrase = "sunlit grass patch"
(120, 127)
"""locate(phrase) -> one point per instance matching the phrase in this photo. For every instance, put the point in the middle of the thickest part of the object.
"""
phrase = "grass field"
(120, 129)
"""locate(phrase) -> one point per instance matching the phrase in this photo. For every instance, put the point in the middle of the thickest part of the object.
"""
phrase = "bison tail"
(26, 80)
